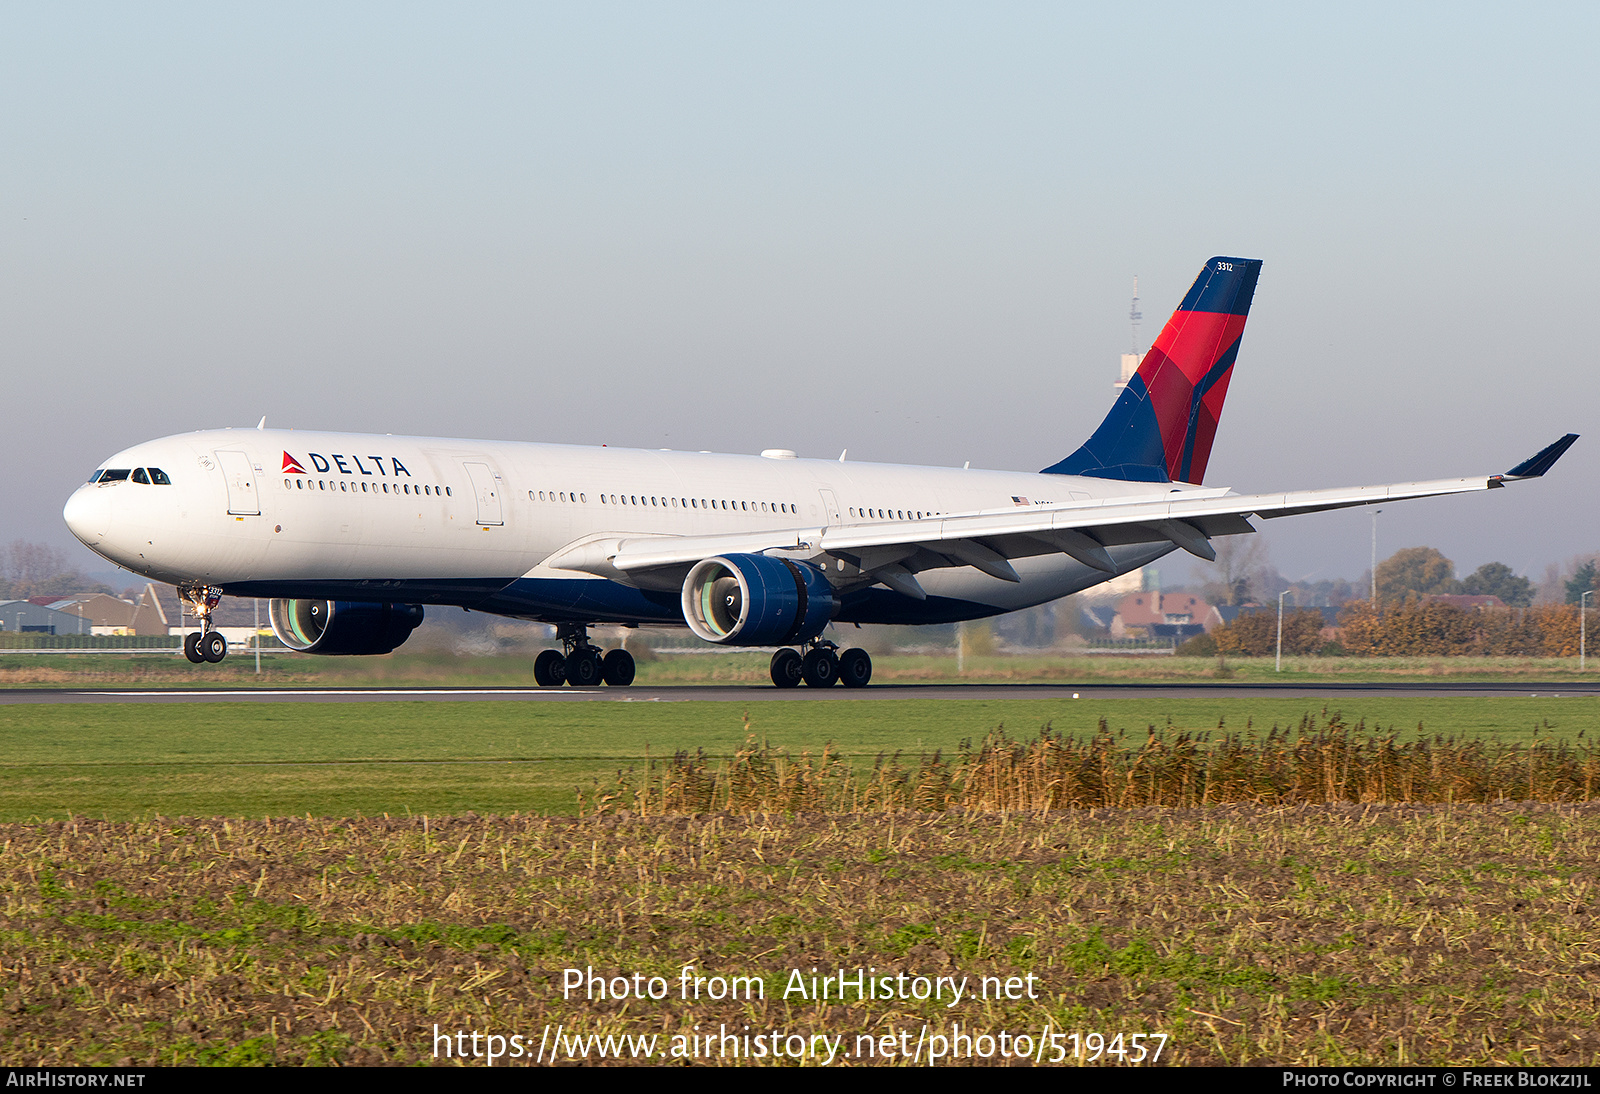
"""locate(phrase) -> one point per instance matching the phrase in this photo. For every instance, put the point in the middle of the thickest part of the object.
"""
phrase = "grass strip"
(250, 759)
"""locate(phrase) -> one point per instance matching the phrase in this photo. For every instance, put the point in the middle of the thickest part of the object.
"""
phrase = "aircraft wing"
(893, 551)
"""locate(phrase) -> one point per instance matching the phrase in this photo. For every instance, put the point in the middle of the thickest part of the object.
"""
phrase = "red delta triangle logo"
(291, 466)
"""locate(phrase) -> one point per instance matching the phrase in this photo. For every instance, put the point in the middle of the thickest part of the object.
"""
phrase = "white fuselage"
(433, 520)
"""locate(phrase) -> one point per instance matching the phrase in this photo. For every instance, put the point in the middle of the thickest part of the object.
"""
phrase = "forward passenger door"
(486, 486)
(241, 479)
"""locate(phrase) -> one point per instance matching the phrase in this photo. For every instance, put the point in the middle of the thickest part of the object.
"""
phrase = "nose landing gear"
(204, 645)
(582, 665)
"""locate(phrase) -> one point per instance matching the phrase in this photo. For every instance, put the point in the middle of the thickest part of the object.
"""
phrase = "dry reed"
(1319, 762)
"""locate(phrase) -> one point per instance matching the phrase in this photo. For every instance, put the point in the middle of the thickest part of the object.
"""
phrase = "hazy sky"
(906, 230)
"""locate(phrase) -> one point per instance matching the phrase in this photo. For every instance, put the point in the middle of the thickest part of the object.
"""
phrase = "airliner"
(351, 536)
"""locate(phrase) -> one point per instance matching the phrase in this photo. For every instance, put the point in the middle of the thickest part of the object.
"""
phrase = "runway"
(766, 693)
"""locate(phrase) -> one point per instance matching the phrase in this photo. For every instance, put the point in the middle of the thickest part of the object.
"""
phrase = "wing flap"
(1188, 519)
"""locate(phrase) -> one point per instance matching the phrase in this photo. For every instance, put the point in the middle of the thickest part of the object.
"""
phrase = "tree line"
(1429, 628)
(1414, 627)
(35, 569)
(1407, 621)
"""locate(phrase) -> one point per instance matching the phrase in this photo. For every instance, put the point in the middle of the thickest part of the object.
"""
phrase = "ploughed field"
(1246, 934)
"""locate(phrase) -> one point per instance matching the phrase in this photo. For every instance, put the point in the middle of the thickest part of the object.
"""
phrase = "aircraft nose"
(88, 514)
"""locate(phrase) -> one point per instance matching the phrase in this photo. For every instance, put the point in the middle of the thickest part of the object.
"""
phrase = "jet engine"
(754, 600)
(342, 626)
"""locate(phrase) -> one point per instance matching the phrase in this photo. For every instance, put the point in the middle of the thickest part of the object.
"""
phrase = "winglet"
(1534, 466)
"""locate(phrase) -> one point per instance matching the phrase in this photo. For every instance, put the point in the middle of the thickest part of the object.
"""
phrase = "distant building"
(111, 615)
(1097, 617)
(1163, 615)
(1130, 361)
(149, 617)
(1130, 365)
(106, 614)
(26, 617)
(1118, 587)
(1228, 613)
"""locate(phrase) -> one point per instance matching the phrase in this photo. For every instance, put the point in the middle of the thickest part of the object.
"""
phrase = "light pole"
(1375, 513)
(1279, 664)
(1583, 629)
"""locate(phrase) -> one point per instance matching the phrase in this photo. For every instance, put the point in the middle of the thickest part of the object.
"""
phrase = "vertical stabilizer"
(1161, 427)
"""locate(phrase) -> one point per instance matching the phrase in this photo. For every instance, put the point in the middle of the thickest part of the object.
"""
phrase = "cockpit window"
(159, 477)
(140, 476)
(111, 474)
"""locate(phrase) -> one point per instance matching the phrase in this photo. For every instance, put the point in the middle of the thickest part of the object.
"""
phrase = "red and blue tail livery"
(1163, 423)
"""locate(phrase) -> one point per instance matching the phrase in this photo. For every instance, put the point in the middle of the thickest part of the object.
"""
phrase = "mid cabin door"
(486, 485)
(241, 476)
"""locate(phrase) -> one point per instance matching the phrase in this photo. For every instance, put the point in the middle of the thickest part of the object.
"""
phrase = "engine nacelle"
(342, 626)
(754, 600)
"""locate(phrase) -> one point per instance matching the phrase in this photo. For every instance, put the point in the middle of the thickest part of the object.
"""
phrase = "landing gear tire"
(191, 647)
(617, 668)
(820, 668)
(786, 668)
(549, 669)
(855, 668)
(584, 669)
(213, 647)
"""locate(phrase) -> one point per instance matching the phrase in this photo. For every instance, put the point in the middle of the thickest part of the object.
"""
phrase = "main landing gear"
(582, 665)
(205, 644)
(821, 666)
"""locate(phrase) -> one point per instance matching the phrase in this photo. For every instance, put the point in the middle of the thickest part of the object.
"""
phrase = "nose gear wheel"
(204, 645)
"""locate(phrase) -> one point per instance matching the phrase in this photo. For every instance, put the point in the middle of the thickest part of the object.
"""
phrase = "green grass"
(122, 761)
(123, 791)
